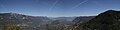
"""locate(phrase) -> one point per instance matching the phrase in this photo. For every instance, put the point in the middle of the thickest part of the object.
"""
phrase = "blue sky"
(57, 8)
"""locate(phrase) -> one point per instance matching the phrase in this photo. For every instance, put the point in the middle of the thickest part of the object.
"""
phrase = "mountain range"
(108, 20)
(35, 22)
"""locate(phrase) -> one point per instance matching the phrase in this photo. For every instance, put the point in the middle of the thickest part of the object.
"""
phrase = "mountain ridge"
(108, 20)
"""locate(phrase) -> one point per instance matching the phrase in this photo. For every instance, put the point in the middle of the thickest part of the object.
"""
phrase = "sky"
(58, 8)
